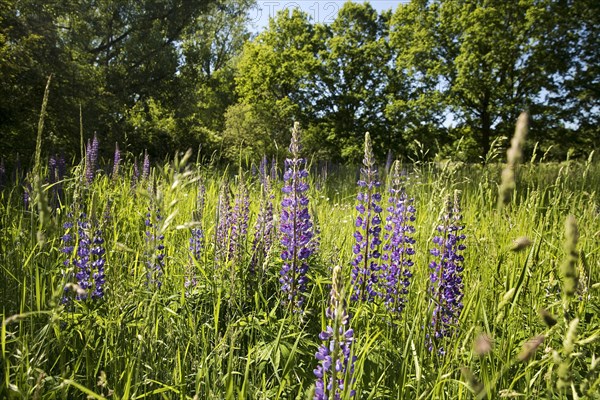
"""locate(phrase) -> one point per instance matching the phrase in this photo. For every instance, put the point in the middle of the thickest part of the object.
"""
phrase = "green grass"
(224, 338)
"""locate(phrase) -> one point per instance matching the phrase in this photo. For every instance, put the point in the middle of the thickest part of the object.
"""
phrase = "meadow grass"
(230, 335)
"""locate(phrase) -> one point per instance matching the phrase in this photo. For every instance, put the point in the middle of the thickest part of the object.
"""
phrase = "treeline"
(431, 78)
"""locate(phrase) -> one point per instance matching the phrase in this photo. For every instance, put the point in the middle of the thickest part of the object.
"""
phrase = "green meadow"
(209, 326)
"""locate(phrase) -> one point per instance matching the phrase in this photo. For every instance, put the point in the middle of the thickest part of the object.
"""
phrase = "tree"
(275, 77)
(353, 84)
(490, 59)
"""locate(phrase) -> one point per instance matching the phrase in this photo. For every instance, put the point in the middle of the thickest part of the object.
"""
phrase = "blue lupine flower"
(398, 248)
(295, 226)
(264, 227)
(239, 222)
(91, 159)
(146, 166)
(336, 362)
(224, 221)
(366, 267)
(116, 162)
(88, 262)
(446, 277)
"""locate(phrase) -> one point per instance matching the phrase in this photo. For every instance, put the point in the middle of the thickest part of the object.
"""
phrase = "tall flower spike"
(263, 229)
(446, 277)
(196, 237)
(116, 162)
(91, 159)
(336, 362)
(88, 261)
(146, 166)
(366, 267)
(239, 218)
(295, 226)
(398, 248)
(222, 233)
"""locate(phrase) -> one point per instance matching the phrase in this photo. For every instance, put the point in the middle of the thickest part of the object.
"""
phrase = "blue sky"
(320, 10)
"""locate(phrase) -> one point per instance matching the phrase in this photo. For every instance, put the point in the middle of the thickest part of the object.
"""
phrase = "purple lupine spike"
(295, 226)
(398, 248)
(366, 268)
(82, 257)
(336, 362)
(91, 159)
(155, 250)
(88, 261)
(97, 266)
(116, 162)
(196, 237)
(239, 222)
(446, 278)
(264, 227)
(262, 170)
(146, 166)
(223, 224)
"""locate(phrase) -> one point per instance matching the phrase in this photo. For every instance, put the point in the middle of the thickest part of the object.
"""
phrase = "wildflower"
(224, 220)
(91, 159)
(446, 279)
(196, 237)
(239, 221)
(398, 249)
(263, 229)
(116, 162)
(146, 166)
(336, 362)
(295, 225)
(365, 271)
(88, 261)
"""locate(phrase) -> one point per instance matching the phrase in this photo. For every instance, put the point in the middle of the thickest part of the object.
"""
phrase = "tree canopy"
(165, 75)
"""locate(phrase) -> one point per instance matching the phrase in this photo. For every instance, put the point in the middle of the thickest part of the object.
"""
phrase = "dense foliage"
(429, 78)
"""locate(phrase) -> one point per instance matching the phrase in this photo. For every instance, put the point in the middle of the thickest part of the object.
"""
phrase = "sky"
(321, 11)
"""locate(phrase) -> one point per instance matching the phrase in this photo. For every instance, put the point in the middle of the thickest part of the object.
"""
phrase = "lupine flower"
(295, 226)
(116, 162)
(88, 261)
(135, 177)
(366, 267)
(446, 277)
(223, 224)
(146, 166)
(263, 230)
(239, 222)
(336, 364)
(155, 248)
(398, 248)
(196, 237)
(91, 158)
